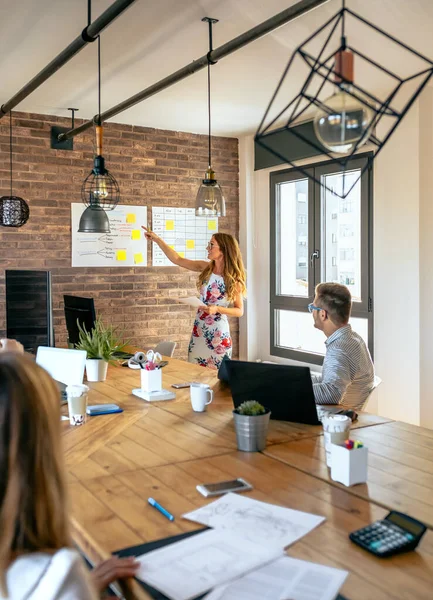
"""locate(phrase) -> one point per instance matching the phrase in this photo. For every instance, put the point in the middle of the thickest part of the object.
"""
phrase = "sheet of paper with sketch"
(256, 521)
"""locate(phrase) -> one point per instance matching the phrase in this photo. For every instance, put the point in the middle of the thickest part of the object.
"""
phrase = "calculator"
(396, 533)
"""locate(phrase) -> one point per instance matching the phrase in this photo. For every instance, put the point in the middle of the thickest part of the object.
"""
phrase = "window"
(347, 254)
(323, 238)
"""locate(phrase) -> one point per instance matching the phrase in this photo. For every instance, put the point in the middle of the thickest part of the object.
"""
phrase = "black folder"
(149, 546)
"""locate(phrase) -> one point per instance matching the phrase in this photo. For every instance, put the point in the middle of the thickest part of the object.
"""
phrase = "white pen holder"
(151, 381)
(349, 467)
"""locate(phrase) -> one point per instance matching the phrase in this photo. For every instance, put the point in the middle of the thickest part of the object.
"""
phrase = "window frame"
(363, 309)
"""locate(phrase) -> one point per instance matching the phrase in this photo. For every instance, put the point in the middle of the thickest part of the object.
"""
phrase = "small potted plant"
(100, 344)
(251, 426)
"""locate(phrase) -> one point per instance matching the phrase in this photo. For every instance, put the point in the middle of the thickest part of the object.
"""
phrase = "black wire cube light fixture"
(14, 211)
(345, 114)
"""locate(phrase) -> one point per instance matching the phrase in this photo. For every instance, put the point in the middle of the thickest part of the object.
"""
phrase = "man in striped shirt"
(348, 374)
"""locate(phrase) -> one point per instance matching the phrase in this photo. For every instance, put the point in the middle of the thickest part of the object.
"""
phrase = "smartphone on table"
(103, 409)
(223, 487)
(179, 386)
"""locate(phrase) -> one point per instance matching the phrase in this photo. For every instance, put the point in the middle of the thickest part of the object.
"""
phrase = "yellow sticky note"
(182, 254)
(172, 247)
(211, 225)
(131, 218)
(169, 225)
(135, 234)
(121, 255)
(190, 244)
(138, 258)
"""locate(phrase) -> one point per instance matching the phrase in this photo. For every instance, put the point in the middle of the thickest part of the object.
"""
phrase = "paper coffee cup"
(77, 403)
(336, 430)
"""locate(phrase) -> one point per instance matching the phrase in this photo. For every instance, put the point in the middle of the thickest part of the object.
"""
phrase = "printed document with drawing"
(284, 578)
(193, 566)
(247, 534)
(256, 521)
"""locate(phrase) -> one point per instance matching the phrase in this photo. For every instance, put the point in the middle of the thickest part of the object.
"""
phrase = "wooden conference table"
(164, 449)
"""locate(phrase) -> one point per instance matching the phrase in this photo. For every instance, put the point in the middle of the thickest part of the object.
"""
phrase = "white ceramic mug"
(199, 393)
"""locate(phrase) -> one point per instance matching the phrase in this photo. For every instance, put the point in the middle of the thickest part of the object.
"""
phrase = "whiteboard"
(182, 231)
(124, 246)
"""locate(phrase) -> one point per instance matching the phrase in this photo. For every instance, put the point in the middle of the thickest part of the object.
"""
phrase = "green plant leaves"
(101, 342)
(251, 408)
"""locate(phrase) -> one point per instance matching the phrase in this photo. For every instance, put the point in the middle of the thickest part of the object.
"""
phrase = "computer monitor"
(29, 317)
(287, 391)
(81, 309)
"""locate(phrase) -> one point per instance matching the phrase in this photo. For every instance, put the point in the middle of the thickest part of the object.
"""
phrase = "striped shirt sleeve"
(336, 377)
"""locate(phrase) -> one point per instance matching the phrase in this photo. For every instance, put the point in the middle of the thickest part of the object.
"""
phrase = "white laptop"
(64, 365)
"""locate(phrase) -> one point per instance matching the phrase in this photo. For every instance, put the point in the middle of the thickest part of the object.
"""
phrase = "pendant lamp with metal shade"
(210, 201)
(14, 211)
(100, 190)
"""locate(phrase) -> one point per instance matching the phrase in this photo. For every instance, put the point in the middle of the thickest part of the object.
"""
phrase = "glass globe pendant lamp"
(344, 120)
(210, 201)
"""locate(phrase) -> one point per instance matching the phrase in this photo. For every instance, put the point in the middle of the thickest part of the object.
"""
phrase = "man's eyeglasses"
(311, 307)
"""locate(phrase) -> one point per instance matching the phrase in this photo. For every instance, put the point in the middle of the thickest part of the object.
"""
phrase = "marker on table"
(162, 510)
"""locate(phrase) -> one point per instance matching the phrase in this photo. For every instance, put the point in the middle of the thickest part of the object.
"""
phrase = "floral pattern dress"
(210, 339)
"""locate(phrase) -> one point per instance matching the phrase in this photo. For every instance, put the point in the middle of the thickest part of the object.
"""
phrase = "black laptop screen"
(287, 391)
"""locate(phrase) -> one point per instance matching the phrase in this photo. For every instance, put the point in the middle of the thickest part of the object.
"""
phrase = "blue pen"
(162, 510)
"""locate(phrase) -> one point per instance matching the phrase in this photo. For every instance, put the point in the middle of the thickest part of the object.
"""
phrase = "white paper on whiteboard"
(191, 301)
(124, 246)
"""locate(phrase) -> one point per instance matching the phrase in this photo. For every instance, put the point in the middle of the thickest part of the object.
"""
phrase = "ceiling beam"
(89, 34)
(240, 41)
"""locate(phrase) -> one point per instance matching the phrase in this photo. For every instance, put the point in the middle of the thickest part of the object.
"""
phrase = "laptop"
(65, 366)
(286, 390)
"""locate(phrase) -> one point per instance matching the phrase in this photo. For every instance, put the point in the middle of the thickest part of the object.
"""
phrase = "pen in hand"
(162, 510)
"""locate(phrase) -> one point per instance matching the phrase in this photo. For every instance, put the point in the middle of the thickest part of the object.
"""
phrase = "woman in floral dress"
(221, 285)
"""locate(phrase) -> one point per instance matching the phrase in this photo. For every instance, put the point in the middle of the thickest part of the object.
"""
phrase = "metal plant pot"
(251, 431)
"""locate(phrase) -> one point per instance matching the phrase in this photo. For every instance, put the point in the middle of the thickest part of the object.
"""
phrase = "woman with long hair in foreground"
(36, 556)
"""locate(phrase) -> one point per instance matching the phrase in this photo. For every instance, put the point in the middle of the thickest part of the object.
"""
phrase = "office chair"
(377, 382)
(166, 348)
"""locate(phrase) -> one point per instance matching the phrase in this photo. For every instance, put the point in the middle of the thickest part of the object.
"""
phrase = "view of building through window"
(318, 236)
(341, 221)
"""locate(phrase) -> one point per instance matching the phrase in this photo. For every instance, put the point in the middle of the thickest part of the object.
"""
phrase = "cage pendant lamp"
(338, 124)
(210, 201)
(100, 190)
(14, 211)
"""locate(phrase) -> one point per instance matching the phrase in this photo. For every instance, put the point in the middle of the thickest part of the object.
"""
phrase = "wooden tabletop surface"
(400, 466)
(115, 462)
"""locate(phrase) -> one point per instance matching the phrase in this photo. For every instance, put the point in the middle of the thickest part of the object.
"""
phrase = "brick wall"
(153, 167)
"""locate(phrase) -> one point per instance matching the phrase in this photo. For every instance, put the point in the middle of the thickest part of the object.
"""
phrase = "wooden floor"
(115, 462)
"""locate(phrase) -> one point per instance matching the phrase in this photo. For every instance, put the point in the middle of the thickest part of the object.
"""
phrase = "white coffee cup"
(77, 403)
(199, 393)
(336, 430)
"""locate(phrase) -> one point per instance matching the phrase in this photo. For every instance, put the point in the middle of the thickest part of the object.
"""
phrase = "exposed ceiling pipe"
(89, 34)
(242, 40)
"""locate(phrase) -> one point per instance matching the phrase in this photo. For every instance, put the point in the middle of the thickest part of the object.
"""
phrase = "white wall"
(403, 256)
(426, 257)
